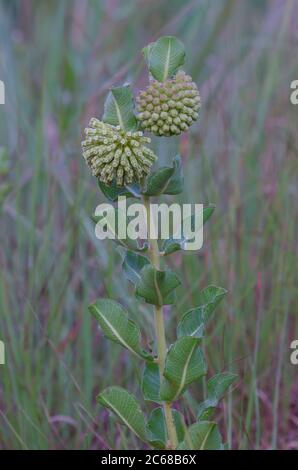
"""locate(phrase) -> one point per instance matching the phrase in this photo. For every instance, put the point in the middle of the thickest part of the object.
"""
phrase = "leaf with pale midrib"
(202, 436)
(132, 266)
(216, 388)
(157, 429)
(151, 382)
(193, 322)
(126, 408)
(117, 327)
(184, 364)
(166, 180)
(164, 57)
(177, 242)
(157, 287)
(119, 108)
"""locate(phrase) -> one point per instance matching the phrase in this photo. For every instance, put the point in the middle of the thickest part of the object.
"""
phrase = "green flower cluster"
(114, 154)
(170, 107)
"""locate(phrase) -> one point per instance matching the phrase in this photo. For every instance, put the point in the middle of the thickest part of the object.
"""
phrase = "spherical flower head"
(114, 154)
(170, 107)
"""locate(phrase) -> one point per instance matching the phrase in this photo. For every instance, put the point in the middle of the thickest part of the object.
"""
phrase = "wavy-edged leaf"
(175, 242)
(219, 383)
(193, 322)
(176, 182)
(117, 327)
(126, 408)
(113, 191)
(165, 180)
(157, 429)
(209, 298)
(158, 181)
(132, 266)
(151, 382)
(216, 388)
(184, 364)
(119, 108)
(157, 287)
(202, 436)
(164, 57)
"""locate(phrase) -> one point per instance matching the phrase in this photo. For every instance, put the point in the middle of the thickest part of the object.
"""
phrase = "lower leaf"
(125, 406)
(202, 436)
(157, 430)
(184, 364)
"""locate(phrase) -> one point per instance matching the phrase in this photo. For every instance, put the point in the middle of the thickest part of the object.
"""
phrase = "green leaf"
(216, 388)
(175, 184)
(157, 429)
(126, 408)
(175, 243)
(209, 298)
(202, 436)
(113, 192)
(117, 327)
(164, 57)
(207, 212)
(184, 364)
(157, 287)
(193, 322)
(151, 382)
(157, 182)
(166, 180)
(218, 384)
(132, 266)
(119, 108)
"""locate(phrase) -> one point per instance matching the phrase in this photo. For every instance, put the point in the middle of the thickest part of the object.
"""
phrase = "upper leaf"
(210, 297)
(126, 408)
(119, 108)
(202, 436)
(116, 326)
(132, 266)
(184, 364)
(164, 57)
(175, 184)
(157, 287)
(216, 388)
(157, 182)
(193, 322)
(157, 430)
(166, 180)
(175, 242)
(113, 192)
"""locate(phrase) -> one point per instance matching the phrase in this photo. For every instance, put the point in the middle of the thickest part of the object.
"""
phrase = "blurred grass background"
(58, 60)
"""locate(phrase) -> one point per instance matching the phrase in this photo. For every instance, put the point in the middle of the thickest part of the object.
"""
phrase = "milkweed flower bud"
(169, 107)
(114, 154)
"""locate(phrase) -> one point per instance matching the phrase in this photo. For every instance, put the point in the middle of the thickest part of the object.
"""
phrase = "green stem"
(160, 331)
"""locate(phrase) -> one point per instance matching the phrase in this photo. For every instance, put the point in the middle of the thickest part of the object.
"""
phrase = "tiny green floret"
(114, 154)
(170, 107)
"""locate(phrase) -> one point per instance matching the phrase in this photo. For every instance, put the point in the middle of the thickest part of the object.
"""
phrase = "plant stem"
(160, 329)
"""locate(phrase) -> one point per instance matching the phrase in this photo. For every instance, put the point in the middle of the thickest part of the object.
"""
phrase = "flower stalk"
(160, 329)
